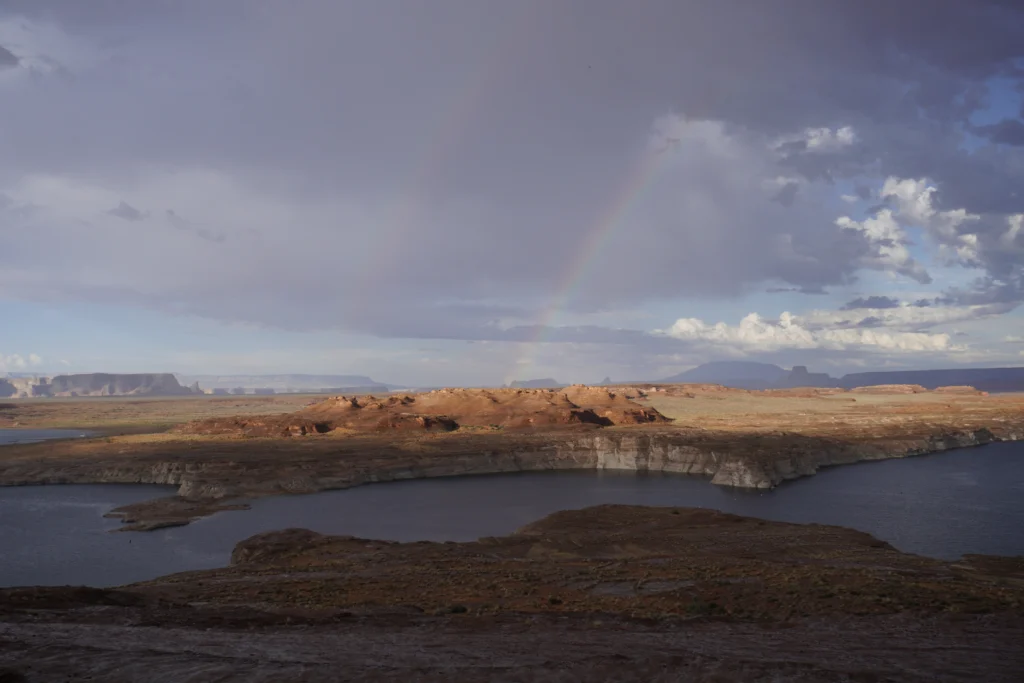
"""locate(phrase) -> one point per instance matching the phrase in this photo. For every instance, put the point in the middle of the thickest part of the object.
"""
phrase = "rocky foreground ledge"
(753, 440)
(618, 593)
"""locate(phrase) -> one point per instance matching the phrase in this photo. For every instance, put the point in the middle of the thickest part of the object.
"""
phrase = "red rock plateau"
(445, 410)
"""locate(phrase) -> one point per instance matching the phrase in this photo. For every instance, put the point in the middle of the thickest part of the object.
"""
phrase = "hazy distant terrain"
(94, 384)
(545, 383)
(289, 382)
(738, 374)
(749, 375)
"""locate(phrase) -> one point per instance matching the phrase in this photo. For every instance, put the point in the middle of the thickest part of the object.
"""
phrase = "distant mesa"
(981, 379)
(94, 384)
(760, 376)
(444, 410)
(799, 376)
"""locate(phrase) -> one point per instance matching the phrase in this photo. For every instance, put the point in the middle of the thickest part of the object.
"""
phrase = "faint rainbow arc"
(611, 217)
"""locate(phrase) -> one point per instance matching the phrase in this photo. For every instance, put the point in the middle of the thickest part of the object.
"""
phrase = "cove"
(13, 436)
(941, 505)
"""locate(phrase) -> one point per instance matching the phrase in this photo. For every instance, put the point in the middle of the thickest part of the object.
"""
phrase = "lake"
(941, 505)
(13, 436)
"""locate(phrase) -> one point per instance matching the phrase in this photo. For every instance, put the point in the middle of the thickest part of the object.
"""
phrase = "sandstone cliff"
(210, 477)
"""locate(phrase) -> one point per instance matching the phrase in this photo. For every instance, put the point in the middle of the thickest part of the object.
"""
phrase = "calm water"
(12, 436)
(943, 505)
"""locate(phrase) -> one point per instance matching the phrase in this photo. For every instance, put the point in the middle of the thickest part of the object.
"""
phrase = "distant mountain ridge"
(751, 375)
(740, 374)
(545, 383)
(287, 382)
(984, 379)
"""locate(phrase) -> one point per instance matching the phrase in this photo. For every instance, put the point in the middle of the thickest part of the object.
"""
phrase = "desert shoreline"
(735, 438)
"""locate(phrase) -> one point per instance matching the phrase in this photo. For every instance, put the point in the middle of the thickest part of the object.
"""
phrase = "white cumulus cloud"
(821, 140)
(888, 241)
(754, 333)
(17, 362)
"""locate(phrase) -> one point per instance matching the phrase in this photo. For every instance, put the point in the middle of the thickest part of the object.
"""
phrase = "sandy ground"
(132, 415)
(512, 650)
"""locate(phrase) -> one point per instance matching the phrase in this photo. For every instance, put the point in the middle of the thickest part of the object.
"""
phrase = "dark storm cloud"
(8, 60)
(871, 302)
(1006, 132)
(127, 212)
(394, 156)
(179, 223)
(787, 194)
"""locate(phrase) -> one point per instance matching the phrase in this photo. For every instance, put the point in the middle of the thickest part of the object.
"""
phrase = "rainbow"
(632, 188)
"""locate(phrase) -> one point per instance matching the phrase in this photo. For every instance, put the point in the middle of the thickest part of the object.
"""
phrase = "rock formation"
(889, 389)
(445, 410)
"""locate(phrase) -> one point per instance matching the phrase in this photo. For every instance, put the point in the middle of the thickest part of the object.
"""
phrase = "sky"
(476, 191)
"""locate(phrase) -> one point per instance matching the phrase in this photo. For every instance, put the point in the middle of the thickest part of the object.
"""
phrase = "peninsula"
(633, 594)
(259, 446)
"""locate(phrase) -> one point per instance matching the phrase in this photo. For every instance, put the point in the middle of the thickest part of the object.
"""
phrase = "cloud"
(706, 203)
(915, 200)
(787, 194)
(35, 48)
(818, 140)
(8, 60)
(17, 363)
(501, 160)
(902, 316)
(127, 212)
(1006, 132)
(991, 242)
(754, 333)
(800, 290)
(871, 302)
(888, 245)
(183, 225)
